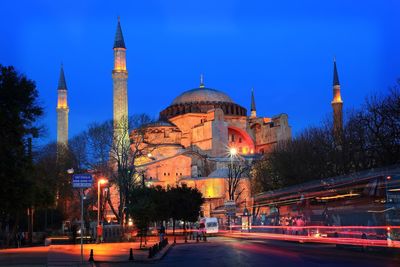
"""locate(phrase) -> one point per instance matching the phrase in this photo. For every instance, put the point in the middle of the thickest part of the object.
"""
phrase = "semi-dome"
(201, 95)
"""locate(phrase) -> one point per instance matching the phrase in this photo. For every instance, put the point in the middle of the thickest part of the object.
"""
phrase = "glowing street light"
(233, 151)
(99, 183)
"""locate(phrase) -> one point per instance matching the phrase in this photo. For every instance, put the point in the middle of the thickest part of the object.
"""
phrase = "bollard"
(91, 259)
(197, 238)
(166, 241)
(205, 238)
(185, 238)
(131, 254)
(175, 240)
(150, 252)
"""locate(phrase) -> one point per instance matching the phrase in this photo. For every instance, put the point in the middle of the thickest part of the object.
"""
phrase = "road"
(219, 251)
(224, 251)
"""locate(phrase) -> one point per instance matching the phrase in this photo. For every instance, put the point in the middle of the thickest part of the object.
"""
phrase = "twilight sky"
(284, 49)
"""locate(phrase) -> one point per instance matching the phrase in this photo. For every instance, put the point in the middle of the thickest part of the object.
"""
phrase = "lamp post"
(99, 183)
(232, 153)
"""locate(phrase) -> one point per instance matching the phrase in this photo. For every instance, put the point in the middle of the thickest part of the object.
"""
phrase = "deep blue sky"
(284, 49)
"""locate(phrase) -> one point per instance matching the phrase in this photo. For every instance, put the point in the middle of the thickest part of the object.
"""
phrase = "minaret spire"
(335, 73)
(253, 105)
(119, 38)
(337, 106)
(62, 85)
(201, 81)
(62, 109)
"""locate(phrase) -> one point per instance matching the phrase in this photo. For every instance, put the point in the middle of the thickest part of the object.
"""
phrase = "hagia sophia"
(198, 135)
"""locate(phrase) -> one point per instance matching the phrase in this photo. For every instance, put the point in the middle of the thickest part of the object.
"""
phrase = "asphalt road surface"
(219, 251)
(223, 251)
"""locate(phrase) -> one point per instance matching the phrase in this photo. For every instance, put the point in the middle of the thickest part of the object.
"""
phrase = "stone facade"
(190, 145)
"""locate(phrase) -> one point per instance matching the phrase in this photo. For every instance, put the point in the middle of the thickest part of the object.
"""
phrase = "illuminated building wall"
(193, 138)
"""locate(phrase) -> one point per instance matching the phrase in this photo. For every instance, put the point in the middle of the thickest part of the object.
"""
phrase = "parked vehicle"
(210, 225)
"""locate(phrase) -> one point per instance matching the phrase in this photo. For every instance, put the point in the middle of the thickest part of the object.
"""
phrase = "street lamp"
(99, 183)
(232, 153)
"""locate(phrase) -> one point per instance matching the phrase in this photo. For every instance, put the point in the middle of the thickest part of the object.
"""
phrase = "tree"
(141, 207)
(19, 112)
(237, 170)
(371, 139)
(185, 203)
(125, 151)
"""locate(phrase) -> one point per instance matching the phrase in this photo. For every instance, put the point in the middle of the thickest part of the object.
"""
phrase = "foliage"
(184, 203)
(370, 139)
(155, 204)
(19, 112)
(51, 164)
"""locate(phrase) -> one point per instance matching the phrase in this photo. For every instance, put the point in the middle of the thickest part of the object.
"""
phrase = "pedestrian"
(18, 239)
(162, 232)
(74, 233)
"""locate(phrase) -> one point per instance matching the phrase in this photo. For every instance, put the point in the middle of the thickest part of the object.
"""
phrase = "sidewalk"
(70, 255)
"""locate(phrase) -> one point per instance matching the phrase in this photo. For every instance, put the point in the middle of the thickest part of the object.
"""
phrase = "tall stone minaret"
(120, 84)
(253, 113)
(62, 110)
(337, 105)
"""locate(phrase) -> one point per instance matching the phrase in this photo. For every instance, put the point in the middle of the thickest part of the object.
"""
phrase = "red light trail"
(365, 236)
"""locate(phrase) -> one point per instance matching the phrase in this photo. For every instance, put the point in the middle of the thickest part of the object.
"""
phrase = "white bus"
(210, 225)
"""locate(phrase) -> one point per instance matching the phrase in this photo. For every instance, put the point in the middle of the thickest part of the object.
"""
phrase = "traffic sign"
(82, 180)
(230, 208)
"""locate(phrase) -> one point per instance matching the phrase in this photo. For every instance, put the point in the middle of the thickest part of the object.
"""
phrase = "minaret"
(253, 113)
(337, 105)
(62, 110)
(120, 84)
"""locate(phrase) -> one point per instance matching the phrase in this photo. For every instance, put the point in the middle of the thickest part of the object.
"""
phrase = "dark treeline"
(370, 139)
(155, 205)
(20, 189)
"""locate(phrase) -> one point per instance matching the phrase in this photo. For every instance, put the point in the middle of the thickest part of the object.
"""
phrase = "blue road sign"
(82, 180)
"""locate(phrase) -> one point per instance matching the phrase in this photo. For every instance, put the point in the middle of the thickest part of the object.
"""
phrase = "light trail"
(318, 227)
(365, 236)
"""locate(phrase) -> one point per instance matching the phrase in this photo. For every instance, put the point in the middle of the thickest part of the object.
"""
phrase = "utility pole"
(30, 209)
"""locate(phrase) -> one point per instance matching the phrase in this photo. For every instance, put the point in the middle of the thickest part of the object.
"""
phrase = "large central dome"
(201, 100)
(202, 95)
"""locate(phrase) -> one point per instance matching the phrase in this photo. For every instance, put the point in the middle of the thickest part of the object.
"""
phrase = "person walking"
(162, 233)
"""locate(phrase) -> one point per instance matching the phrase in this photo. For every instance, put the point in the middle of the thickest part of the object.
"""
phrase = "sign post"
(230, 209)
(82, 181)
